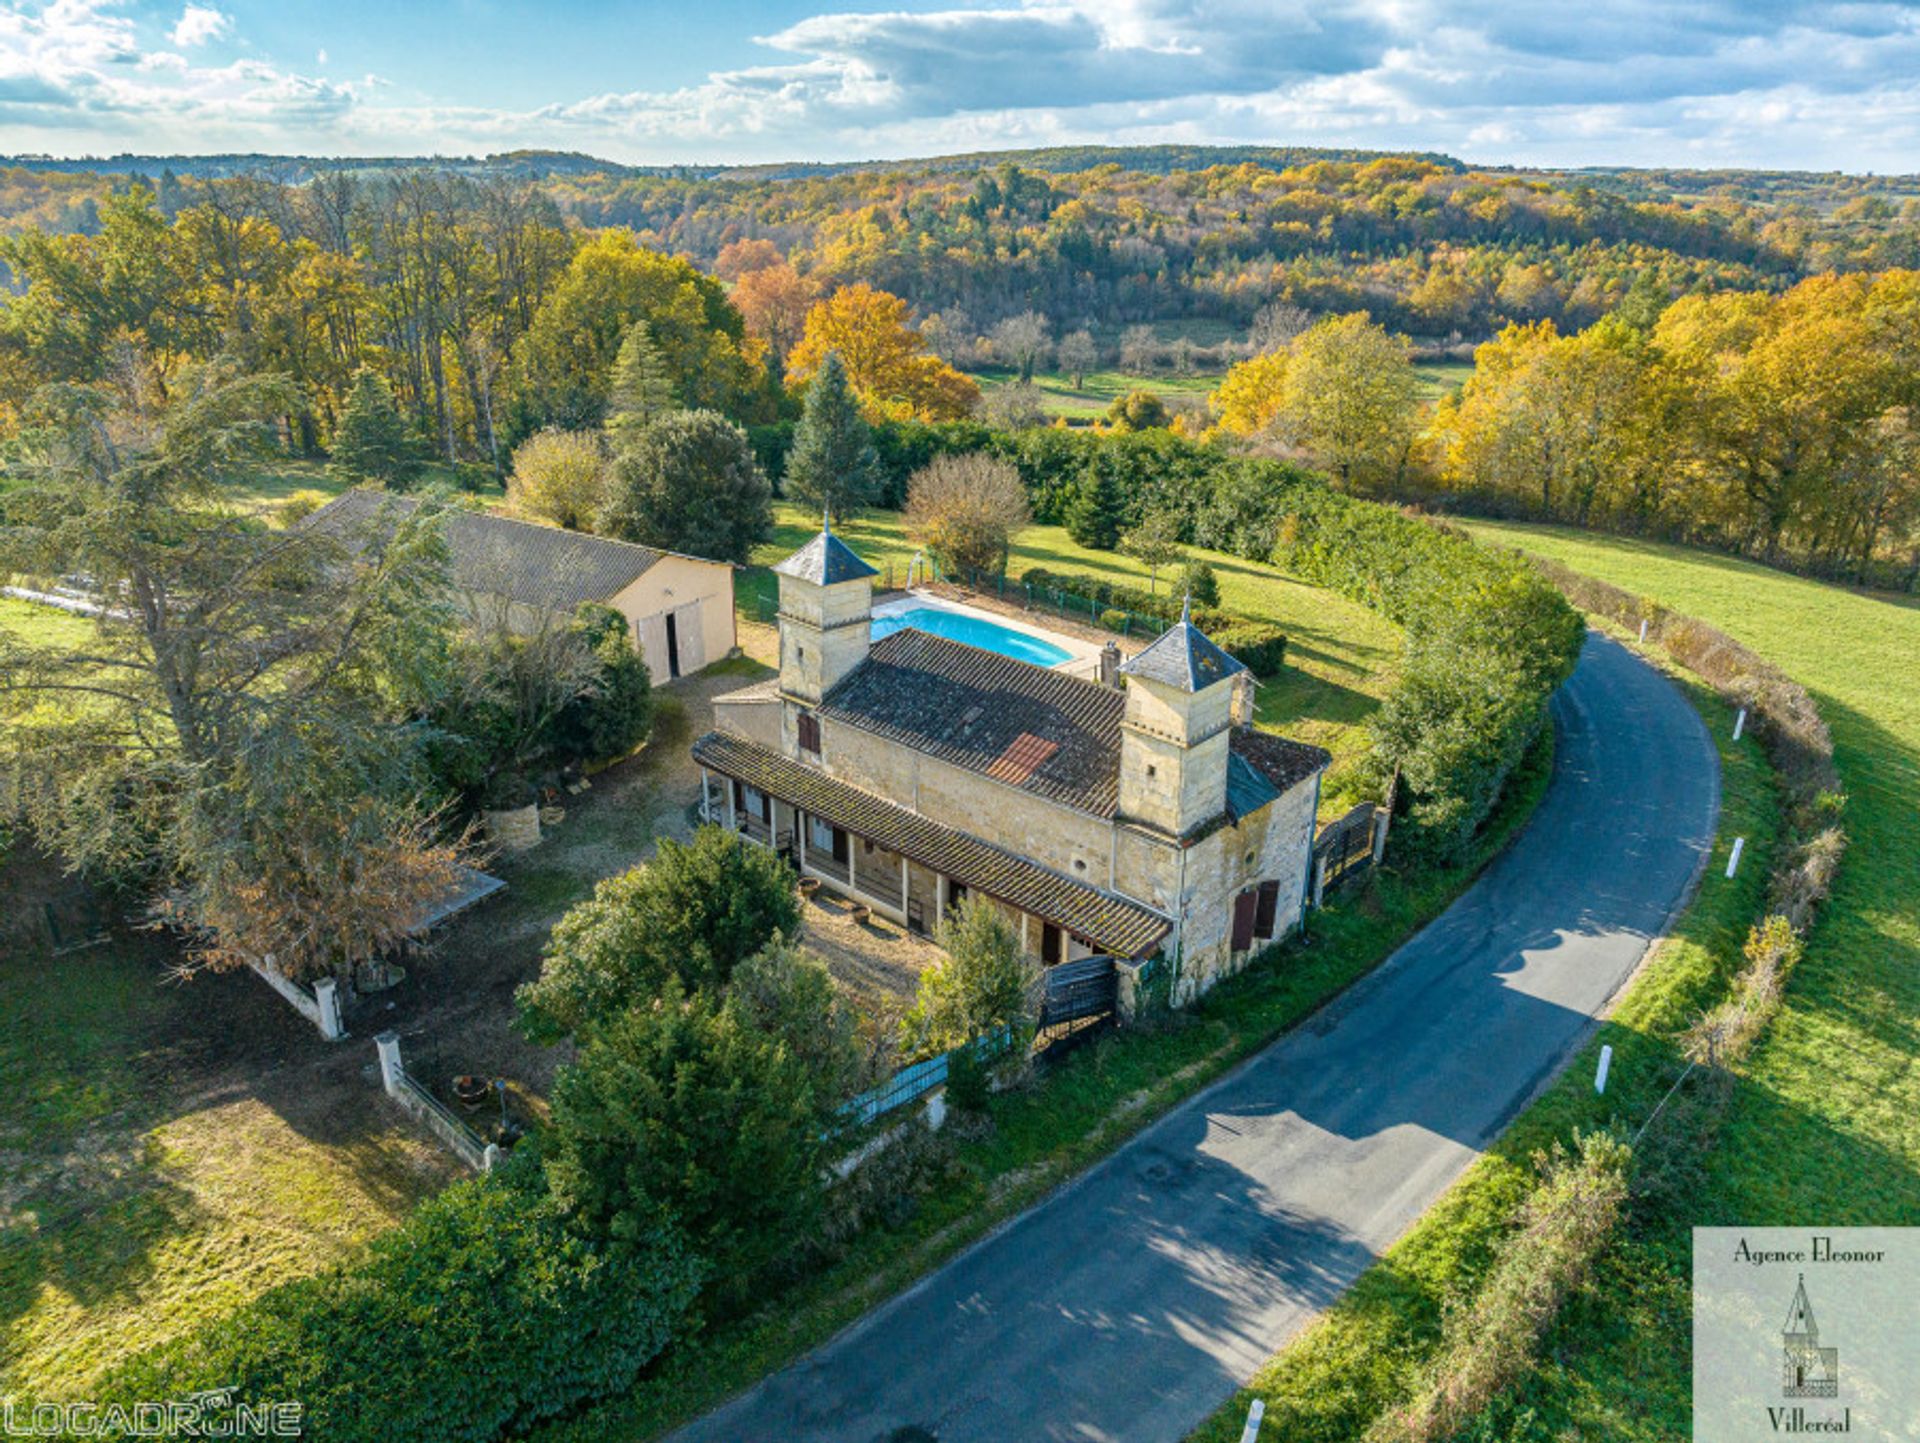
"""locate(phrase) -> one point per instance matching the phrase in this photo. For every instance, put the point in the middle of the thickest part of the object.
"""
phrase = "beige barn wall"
(667, 585)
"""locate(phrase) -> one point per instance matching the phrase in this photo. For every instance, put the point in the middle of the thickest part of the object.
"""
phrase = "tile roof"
(1183, 656)
(1043, 731)
(1283, 762)
(544, 567)
(825, 560)
(1114, 924)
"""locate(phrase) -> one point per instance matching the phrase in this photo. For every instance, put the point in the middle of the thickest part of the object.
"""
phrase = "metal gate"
(1080, 998)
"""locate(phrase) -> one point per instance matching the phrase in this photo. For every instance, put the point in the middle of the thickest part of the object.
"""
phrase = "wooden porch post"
(706, 798)
(733, 804)
(940, 885)
(906, 884)
(800, 834)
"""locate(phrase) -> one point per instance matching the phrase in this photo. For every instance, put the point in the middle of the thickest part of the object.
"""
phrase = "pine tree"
(642, 390)
(371, 442)
(832, 463)
(1093, 512)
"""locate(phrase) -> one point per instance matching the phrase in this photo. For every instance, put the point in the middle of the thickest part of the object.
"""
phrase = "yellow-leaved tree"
(887, 361)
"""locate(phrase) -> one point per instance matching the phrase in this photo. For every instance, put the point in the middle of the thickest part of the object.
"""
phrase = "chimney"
(1110, 664)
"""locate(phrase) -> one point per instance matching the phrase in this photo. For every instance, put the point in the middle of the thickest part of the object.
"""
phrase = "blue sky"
(1647, 82)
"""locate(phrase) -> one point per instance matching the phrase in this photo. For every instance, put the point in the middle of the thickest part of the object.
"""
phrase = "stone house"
(1129, 817)
(679, 609)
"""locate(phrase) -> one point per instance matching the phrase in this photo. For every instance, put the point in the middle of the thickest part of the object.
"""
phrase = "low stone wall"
(424, 1107)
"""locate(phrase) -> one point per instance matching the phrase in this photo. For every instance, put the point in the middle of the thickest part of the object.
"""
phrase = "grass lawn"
(162, 1161)
(1098, 389)
(1442, 378)
(1825, 1126)
(1341, 658)
(279, 483)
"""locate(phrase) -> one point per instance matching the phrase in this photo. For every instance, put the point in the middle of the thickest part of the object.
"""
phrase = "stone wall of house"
(824, 634)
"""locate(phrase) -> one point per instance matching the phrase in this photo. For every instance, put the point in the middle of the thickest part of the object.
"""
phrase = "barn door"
(692, 639)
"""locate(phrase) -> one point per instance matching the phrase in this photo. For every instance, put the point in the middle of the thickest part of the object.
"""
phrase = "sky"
(1755, 83)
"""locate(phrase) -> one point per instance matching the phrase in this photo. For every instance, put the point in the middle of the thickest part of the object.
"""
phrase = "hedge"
(478, 1317)
(1261, 646)
(1488, 643)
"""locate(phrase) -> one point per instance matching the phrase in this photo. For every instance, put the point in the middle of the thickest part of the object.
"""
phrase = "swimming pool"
(975, 631)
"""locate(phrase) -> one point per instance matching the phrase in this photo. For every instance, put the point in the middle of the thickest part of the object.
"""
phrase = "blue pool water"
(958, 626)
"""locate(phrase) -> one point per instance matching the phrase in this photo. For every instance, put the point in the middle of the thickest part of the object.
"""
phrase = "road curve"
(1126, 1306)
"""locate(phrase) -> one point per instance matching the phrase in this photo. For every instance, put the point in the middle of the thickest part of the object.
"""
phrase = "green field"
(1341, 658)
(1824, 1128)
(1100, 389)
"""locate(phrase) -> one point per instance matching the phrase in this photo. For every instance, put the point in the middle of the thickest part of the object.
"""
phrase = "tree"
(690, 483)
(686, 1108)
(773, 301)
(887, 361)
(1138, 411)
(1021, 342)
(613, 714)
(689, 917)
(566, 359)
(741, 257)
(1139, 349)
(1350, 399)
(1197, 581)
(1093, 510)
(1154, 543)
(1014, 407)
(1250, 396)
(371, 442)
(232, 732)
(832, 463)
(641, 390)
(965, 508)
(559, 476)
(984, 982)
(785, 991)
(1275, 325)
(1076, 355)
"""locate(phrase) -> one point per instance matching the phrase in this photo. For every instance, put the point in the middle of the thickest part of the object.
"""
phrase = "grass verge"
(1366, 1353)
(1086, 1107)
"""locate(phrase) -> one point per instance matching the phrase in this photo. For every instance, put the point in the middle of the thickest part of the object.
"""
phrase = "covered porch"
(905, 866)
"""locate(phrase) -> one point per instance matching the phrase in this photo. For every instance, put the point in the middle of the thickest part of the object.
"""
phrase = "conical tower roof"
(1183, 657)
(1800, 1321)
(825, 560)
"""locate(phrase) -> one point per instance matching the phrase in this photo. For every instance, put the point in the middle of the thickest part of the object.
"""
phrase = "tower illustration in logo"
(1807, 1370)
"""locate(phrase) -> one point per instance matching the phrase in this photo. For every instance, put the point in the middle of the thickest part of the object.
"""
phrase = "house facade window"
(756, 803)
(807, 726)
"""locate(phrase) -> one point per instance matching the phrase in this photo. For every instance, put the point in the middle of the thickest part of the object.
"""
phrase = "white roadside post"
(1251, 1433)
(1733, 861)
(392, 1074)
(1643, 631)
(1739, 723)
(1600, 1073)
(326, 992)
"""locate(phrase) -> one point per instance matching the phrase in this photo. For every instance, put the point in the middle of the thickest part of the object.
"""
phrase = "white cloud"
(199, 24)
(1721, 81)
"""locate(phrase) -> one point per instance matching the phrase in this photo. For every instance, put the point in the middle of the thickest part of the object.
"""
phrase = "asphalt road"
(1129, 1304)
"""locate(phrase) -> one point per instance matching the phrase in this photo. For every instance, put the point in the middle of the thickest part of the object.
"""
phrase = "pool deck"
(1083, 656)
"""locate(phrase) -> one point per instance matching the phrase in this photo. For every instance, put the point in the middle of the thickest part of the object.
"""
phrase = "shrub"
(1196, 579)
(559, 476)
(1115, 620)
(983, 983)
(964, 509)
(480, 1316)
(689, 482)
(1260, 647)
(615, 713)
(969, 1083)
(691, 915)
(690, 1108)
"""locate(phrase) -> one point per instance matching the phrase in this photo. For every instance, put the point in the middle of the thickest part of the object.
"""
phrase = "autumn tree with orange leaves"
(887, 360)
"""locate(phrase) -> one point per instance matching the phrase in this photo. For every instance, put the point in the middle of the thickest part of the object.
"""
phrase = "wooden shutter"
(1264, 914)
(1244, 906)
(808, 726)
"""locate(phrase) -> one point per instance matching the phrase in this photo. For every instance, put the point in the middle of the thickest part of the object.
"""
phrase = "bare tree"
(965, 509)
(1139, 350)
(1275, 325)
(1076, 355)
(1021, 341)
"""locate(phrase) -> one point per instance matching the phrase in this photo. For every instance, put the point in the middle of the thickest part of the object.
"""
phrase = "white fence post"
(1643, 631)
(1251, 1433)
(1382, 819)
(1739, 723)
(326, 992)
(1733, 861)
(1600, 1073)
(392, 1075)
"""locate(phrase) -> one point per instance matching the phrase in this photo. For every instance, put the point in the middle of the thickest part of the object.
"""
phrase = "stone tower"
(826, 604)
(1175, 731)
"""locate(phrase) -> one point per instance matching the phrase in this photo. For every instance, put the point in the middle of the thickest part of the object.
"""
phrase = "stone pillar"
(490, 1159)
(1110, 664)
(706, 797)
(937, 1108)
(392, 1074)
(1382, 819)
(326, 992)
(1320, 881)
